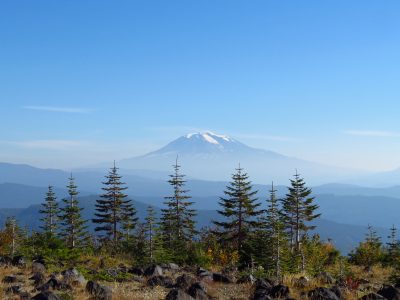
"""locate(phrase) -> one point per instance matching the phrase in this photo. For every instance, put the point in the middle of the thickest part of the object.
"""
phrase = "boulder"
(19, 261)
(15, 289)
(161, 281)
(204, 273)
(198, 291)
(38, 279)
(153, 270)
(73, 277)
(279, 291)
(301, 282)
(372, 296)
(46, 296)
(322, 293)
(10, 279)
(178, 294)
(136, 271)
(173, 267)
(389, 292)
(98, 292)
(218, 277)
(38, 267)
(262, 290)
(184, 281)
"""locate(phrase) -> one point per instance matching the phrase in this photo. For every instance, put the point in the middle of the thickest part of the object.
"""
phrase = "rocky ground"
(22, 280)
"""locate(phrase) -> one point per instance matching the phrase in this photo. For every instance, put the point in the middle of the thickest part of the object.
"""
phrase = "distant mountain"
(380, 179)
(214, 157)
(344, 236)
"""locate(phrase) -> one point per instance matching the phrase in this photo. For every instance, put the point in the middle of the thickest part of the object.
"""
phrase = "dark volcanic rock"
(178, 294)
(46, 296)
(38, 279)
(15, 289)
(372, 296)
(321, 293)
(262, 290)
(390, 292)
(198, 291)
(73, 277)
(19, 261)
(218, 277)
(184, 281)
(10, 279)
(38, 267)
(98, 292)
(279, 291)
(153, 270)
(136, 271)
(161, 281)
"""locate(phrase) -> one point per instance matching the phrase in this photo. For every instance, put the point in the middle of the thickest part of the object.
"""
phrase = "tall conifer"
(50, 213)
(73, 226)
(114, 213)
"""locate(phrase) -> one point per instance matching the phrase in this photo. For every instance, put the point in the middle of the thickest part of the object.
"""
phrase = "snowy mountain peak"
(210, 137)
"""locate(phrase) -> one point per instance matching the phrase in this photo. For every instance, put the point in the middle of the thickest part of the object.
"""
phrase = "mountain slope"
(215, 157)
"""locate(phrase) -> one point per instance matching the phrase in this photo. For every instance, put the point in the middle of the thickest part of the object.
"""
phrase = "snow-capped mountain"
(206, 155)
(207, 144)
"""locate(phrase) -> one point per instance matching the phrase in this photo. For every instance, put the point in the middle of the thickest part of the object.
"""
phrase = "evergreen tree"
(275, 231)
(393, 245)
(298, 210)
(73, 230)
(240, 210)
(114, 213)
(150, 228)
(50, 213)
(11, 237)
(177, 220)
(369, 252)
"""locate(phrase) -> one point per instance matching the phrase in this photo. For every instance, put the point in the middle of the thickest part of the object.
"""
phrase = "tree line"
(276, 236)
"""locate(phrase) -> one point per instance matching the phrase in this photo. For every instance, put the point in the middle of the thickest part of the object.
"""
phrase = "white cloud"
(74, 110)
(372, 133)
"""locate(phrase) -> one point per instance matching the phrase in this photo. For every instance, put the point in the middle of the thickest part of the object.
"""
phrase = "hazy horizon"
(85, 83)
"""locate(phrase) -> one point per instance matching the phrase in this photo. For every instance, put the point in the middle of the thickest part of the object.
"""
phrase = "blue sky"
(89, 81)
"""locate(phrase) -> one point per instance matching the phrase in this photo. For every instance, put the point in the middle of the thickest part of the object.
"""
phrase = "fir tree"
(50, 213)
(298, 210)
(240, 210)
(275, 231)
(393, 245)
(114, 213)
(73, 230)
(150, 228)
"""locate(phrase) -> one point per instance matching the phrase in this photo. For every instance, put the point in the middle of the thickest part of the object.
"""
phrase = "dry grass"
(135, 290)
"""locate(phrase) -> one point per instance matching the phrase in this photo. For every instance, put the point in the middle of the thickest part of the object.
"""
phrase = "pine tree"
(275, 231)
(73, 230)
(50, 213)
(150, 228)
(298, 210)
(240, 210)
(114, 213)
(393, 245)
(177, 220)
